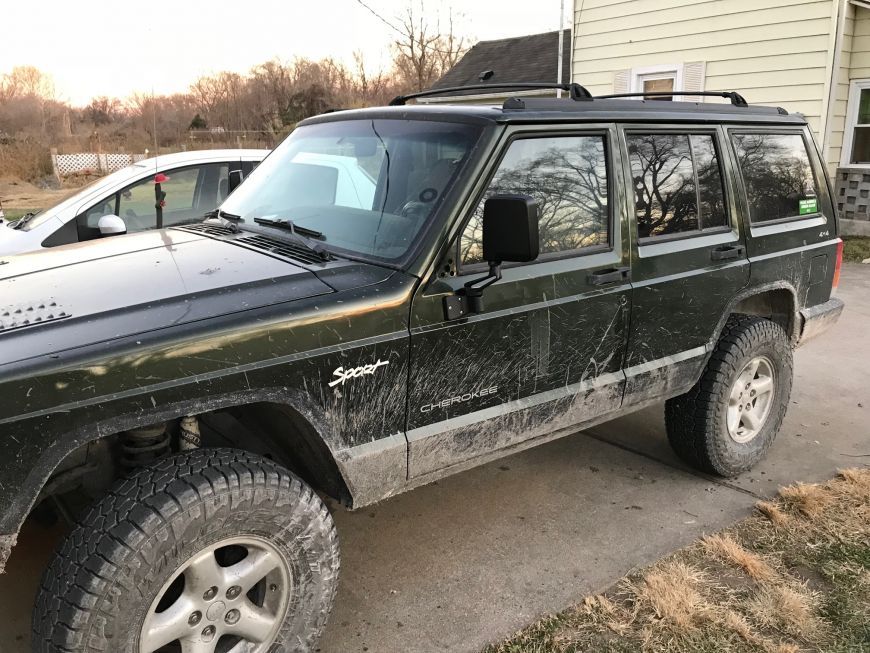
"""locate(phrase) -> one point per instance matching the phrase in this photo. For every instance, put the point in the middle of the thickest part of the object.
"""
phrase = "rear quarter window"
(777, 175)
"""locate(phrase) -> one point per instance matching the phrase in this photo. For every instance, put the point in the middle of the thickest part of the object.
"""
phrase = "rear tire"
(726, 423)
(206, 547)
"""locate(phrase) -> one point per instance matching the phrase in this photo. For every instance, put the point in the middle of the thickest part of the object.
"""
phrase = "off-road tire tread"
(72, 601)
(692, 419)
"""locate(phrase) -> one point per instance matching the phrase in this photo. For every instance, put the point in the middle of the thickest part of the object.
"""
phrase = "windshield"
(368, 186)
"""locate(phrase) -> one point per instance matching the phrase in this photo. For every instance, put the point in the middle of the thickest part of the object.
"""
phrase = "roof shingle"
(530, 58)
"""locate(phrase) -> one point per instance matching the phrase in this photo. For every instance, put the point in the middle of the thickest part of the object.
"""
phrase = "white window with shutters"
(662, 79)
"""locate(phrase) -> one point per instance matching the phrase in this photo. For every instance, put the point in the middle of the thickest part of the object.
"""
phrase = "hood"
(97, 291)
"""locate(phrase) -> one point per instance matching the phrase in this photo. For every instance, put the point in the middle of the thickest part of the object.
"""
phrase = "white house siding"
(854, 64)
(771, 51)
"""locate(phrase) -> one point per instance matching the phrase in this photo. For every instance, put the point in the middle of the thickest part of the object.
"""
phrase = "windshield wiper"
(298, 234)
(226, 219)
(23, 220)
(283, 223)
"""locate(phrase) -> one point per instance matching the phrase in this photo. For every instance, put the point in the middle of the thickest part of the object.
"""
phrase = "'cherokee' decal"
(343, 374)
(459, 399)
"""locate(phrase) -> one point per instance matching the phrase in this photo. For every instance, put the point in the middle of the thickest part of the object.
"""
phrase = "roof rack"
(576, 92)
(736, 99)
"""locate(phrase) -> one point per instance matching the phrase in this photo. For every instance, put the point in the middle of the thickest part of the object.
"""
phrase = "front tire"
(198, 553)
(726, 423)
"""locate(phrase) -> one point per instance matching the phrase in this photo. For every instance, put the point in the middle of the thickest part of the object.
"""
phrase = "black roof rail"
(576, 92)
(736, 99)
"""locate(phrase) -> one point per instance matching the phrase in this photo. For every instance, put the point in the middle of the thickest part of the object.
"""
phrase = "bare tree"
(422, 53)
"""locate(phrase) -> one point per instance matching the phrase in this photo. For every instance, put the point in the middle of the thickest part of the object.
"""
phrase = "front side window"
(777, 174)
(567, 175)
(677, 184)
(367, 186)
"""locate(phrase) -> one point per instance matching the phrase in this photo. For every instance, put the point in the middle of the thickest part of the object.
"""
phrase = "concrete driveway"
(469, 560)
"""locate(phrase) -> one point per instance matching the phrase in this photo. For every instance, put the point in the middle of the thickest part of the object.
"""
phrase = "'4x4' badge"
(343, 374)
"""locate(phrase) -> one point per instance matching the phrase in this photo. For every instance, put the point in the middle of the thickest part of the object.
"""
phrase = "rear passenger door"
(547, 351)
(688, 254)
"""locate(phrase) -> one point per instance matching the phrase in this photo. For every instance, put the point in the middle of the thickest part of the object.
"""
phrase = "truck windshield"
(368, 186)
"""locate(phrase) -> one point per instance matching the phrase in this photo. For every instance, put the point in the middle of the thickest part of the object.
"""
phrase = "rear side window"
(777, 174)
(677, 184)
(567, 175)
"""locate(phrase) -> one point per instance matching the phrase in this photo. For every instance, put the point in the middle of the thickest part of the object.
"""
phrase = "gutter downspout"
(838, 20)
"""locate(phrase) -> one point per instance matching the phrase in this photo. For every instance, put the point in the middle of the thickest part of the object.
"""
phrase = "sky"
(115, 48)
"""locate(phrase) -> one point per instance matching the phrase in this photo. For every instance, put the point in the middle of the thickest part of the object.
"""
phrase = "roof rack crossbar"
(736, 99)
(576, 92)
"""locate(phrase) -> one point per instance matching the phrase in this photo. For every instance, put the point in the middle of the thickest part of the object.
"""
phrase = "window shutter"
(622, 81)
(693, 80)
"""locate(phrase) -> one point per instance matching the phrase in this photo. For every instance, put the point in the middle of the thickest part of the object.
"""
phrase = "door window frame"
(649, 242)
(855, 88)
(604, 131)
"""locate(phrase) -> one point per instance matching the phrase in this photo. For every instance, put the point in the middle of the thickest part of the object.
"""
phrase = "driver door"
(547, 351)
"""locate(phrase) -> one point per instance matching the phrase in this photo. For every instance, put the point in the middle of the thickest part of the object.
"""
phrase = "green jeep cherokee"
(394, 295)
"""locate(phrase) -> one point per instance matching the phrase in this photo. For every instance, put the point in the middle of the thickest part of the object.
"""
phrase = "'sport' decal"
(342, 375)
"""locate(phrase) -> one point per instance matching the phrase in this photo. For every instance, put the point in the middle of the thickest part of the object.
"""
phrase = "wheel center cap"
(216, 610)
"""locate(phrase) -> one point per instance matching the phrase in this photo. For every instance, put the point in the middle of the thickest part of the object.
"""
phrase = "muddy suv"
(394, 295)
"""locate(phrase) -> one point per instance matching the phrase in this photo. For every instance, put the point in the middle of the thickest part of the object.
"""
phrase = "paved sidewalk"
(457, 564)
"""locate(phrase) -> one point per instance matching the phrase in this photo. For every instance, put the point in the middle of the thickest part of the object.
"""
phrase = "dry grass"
(795, 577)
(671, 592)
(725, 547)
(809, 499)
(772, 511)
(786, 609)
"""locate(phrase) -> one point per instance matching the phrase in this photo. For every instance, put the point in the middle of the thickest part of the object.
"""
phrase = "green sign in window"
(810, 205)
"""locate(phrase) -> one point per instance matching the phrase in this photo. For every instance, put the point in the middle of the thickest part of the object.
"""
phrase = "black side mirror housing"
(510, 229)
(510, 233)
(235, 178)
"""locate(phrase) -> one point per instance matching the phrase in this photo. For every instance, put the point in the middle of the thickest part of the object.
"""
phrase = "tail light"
(838, 265)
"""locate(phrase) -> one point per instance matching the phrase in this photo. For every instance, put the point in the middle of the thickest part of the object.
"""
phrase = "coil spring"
(142, 446)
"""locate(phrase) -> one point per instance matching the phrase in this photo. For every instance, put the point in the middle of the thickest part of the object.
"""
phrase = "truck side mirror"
(510, 229)
(510, 233)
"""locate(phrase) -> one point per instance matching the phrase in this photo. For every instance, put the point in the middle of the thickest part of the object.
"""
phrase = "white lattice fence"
(102, 163)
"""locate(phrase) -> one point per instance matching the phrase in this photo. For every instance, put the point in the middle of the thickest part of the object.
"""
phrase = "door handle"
(727, 252)
(610, 275)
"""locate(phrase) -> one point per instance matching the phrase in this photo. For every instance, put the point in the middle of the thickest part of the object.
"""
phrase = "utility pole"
(154, 121)
(561, 46)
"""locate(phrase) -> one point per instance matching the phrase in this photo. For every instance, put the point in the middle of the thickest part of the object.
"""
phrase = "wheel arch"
(776, 301)
(306, 440)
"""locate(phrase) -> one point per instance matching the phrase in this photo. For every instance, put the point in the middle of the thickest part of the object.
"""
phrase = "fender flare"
(24, 501)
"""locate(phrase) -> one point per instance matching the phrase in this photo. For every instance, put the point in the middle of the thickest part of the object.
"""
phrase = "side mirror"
(510, 229)
(510, 233)
(111, 225)
(235, 178)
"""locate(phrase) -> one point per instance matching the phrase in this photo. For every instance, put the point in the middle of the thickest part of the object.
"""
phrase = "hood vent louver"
(278, 247)
(27, 315)
(209, 229)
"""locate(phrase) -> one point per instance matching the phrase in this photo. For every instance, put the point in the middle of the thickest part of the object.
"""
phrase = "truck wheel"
(726, 423)
(209, 551)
